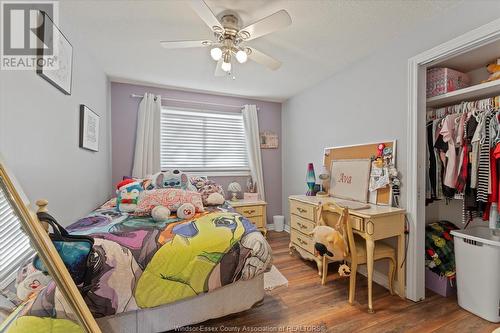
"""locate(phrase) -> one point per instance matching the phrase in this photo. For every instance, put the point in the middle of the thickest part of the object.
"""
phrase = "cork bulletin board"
(362, 151)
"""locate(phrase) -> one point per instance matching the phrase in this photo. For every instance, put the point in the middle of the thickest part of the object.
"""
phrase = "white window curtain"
(147, 142)
(251, 124)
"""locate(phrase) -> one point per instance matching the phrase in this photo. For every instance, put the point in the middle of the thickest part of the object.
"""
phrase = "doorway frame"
(416, 146)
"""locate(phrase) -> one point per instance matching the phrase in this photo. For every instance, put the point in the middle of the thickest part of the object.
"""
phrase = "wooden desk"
(373, 224)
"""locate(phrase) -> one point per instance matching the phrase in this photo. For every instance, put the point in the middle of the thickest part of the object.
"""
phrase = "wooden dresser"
(255, 211)
(373, 223)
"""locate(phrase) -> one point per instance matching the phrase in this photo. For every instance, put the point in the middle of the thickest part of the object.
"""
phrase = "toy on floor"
(128, 192)
(494, 70)
(344, 270)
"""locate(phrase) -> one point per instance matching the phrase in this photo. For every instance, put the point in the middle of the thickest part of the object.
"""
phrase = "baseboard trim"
(271, 227)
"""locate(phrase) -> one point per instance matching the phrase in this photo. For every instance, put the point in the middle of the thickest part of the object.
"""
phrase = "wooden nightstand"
(255, 211)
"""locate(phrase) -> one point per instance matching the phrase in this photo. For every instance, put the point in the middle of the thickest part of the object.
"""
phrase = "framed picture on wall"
(89, 129)
(268, 140)
(55, 61)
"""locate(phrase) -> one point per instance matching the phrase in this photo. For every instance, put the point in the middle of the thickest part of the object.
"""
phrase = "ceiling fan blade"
(204, 12)
(265, 26)
(264, 59)
(183, 44)
(218, 69)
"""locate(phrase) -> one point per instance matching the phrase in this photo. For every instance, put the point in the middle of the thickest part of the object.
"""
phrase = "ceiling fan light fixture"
(226, 66)
(241, 56)
(216, 53)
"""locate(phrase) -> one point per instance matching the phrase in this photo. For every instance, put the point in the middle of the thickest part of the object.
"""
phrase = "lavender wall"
(124, 122)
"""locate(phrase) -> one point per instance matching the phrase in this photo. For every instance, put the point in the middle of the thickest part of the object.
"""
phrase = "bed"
(152, 277)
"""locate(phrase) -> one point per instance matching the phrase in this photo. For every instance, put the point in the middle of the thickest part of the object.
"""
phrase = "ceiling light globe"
(226, 66)
(241, 56)
(216, 53)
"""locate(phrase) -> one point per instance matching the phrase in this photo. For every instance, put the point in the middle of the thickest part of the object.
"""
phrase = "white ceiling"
(325, 36)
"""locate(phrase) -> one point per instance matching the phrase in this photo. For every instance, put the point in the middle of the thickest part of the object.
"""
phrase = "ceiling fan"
(231, 39)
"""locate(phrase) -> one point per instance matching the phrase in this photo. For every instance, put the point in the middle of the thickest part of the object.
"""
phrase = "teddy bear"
(330, 242)
(494, 70)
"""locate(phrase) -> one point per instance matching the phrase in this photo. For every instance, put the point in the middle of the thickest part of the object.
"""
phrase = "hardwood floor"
(307, 306)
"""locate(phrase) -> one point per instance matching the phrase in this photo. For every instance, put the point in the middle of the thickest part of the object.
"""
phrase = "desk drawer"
(303, 241)
(357, 223)
(303, 225)
(250, 211)
(303, 210)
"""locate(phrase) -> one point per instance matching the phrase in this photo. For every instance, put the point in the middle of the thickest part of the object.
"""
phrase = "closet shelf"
(465, 94)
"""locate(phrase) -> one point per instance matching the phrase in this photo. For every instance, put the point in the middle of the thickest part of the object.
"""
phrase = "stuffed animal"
(128, 192)
(171, 179)
(186, 211)
(494, 70)
(206, 188)
(330, 242)
(162, 213)
(215, 199)
(344, 270)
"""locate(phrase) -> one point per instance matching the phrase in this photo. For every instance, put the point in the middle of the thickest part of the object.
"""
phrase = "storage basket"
(444, 80)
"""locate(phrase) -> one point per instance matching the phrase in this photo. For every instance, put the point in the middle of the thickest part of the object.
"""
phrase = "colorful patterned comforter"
(140, 263)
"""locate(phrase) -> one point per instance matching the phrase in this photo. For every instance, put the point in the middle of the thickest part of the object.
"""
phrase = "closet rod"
(489, 101)
(190, 101)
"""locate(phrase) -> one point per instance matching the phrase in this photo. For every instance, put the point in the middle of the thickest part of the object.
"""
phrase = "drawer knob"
(301, 225)
(301, 210)
(301, 241)
(250, 211)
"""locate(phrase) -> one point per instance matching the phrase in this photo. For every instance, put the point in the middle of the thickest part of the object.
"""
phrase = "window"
(15, 246)
(208, 143)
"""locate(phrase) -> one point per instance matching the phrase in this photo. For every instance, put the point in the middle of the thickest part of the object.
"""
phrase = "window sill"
(218, 173)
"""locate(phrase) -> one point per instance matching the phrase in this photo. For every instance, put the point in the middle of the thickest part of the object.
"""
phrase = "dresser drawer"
(258, 221)
(303, 210)
(357, 223)
(249, 211)
(301, 224)
(303, 241)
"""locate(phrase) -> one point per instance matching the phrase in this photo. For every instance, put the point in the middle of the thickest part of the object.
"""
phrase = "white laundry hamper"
(477, 257)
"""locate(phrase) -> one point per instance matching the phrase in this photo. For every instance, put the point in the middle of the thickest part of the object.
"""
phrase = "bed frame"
(233, 298)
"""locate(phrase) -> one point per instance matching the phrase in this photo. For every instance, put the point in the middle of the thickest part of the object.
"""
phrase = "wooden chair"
(357, 249)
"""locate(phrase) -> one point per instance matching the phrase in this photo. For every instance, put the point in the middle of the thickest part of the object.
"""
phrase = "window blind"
(15, 245)
(207, 142)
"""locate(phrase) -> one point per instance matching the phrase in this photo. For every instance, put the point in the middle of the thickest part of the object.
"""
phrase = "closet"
(462, 156)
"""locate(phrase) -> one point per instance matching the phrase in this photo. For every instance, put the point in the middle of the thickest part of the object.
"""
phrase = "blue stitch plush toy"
(172, 179)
